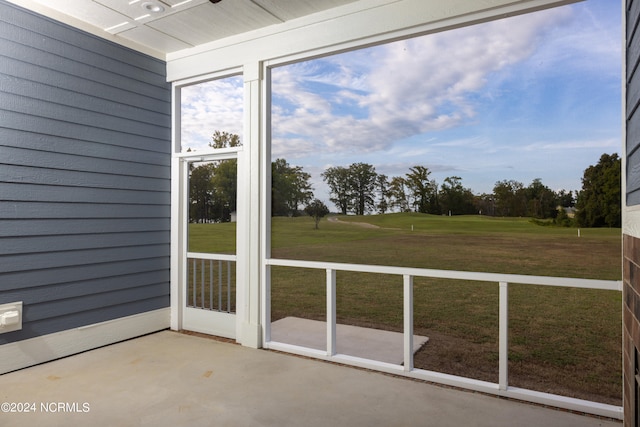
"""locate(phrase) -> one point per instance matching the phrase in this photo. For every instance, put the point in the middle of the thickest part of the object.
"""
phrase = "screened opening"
(466, 151)
(211, 134)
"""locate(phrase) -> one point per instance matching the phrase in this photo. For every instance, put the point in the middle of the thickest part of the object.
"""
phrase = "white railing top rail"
(213, 257)
(571, 282)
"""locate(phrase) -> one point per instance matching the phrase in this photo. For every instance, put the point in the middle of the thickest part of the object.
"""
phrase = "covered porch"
(168, 378)
(97, 246)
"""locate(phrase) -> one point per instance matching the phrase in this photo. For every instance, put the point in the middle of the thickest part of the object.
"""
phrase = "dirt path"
(359, 224)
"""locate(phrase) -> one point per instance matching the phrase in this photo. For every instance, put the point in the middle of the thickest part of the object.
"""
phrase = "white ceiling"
(181, 24)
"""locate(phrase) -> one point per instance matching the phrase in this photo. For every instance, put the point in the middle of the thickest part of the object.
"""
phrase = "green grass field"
(563, 341)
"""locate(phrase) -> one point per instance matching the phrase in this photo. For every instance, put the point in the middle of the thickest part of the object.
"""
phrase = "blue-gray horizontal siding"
(632, 103)
(84, 176)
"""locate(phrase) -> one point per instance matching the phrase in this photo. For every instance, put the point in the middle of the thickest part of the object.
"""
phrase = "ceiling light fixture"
(152, 7)
(215, 1)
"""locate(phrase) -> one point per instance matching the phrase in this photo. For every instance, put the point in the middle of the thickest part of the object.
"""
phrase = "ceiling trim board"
(388, 21)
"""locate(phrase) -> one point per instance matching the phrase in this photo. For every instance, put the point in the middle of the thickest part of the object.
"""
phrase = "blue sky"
(532, 96)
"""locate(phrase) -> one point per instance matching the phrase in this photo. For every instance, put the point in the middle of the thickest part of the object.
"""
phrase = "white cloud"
(208, 107)
(400, 89)
(474, 141)
(550, 146)
(385, 105)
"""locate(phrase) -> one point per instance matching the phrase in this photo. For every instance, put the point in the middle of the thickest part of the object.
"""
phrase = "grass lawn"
(563, 341)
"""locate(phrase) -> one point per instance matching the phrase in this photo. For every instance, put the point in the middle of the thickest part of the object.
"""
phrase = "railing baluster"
(202, 284)
(219, 285)
(193, 289)
(408, 322)
(331, 312)
(197, 279)
(228, 286)
(210, 285)
(503, 333)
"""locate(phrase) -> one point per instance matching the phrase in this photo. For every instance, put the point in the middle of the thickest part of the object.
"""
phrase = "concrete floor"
(375, 344)
(172, 379)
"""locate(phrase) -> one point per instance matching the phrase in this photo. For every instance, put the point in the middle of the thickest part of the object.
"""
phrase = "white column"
(249, 247)
(265, 205)
(177, 247)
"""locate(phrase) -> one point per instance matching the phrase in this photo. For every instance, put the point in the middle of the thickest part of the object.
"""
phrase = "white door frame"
(247, 329)
(253, 198)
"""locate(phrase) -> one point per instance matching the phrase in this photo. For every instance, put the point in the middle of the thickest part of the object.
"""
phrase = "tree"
(362, 183)
(382, 185)
(566, 199)
(224, 140)
(224, 182)
(562, 218)
(353, 188)
(509, 198)
(317, 210)
(485, 204)
(423, 190)
(337, 178)
(541, 200)
(599, 202)
(398, 194)
(290, 188)
(200, 193)
(454, 198)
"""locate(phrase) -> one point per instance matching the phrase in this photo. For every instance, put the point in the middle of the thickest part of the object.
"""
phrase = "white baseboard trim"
(22, 354)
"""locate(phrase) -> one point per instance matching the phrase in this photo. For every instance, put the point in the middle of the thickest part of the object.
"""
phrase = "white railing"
(210, 284)
(502, 388)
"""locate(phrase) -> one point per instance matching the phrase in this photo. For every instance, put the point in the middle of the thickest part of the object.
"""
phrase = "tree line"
(358, 189)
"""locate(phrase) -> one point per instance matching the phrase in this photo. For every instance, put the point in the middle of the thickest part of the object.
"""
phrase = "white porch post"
(250, 171)
(265, 205)
(177, 212)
